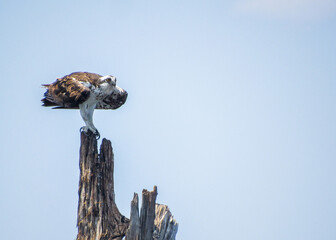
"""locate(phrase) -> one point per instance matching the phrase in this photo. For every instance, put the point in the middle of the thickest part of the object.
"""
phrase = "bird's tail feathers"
(47, 100)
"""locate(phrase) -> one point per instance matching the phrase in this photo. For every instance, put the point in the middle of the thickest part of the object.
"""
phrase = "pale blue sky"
(231, 113)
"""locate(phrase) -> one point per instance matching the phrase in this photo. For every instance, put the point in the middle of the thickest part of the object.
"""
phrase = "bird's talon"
(84, 130)
(97, 134)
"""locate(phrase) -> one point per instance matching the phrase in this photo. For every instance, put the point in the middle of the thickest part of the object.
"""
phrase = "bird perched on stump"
(84, 91)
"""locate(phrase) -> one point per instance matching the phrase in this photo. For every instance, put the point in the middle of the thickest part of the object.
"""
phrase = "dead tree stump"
(155, 221)
(98, 216)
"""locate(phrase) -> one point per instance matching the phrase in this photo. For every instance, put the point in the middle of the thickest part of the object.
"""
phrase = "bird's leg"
(86, 112)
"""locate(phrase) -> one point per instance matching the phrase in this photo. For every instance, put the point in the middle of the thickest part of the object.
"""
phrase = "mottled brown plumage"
(69, 91)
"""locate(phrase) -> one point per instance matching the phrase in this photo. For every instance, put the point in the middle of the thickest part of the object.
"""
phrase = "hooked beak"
(124, 97)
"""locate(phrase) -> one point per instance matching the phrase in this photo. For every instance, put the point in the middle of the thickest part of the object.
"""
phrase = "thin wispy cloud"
(288, 9)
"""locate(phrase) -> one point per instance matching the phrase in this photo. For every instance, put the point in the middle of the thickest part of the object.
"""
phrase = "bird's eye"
(114, 82)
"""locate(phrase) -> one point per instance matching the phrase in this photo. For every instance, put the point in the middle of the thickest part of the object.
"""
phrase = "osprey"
(86, 92)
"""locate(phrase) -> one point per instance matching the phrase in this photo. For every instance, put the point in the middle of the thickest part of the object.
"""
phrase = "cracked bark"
(98, 216)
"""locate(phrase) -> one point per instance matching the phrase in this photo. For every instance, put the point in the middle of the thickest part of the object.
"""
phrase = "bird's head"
(118, 95)
(108, 79)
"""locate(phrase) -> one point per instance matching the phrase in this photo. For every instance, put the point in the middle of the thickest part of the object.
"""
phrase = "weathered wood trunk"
(155, 221)
(98, 216)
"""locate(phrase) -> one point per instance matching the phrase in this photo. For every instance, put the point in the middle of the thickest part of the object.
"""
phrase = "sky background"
(231, 113)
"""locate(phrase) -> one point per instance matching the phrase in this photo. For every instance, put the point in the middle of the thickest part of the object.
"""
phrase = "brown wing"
(69, 91)
(92, 78)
